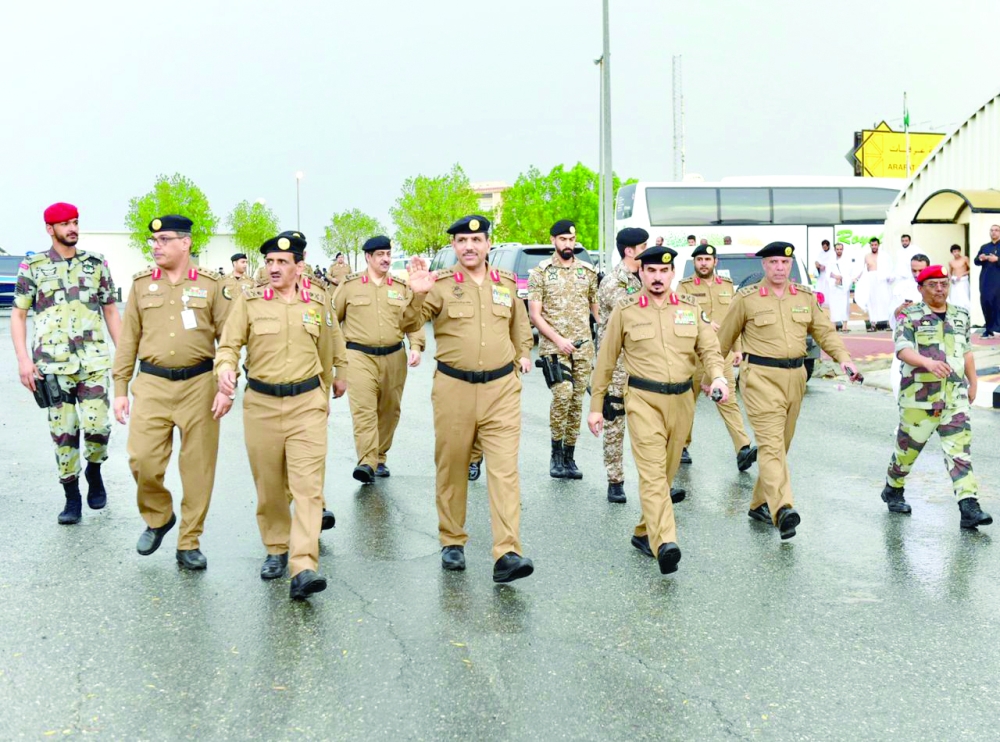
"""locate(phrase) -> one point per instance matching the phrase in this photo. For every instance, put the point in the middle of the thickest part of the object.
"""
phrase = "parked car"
(443, 258)
(8, 278)
(399, 269)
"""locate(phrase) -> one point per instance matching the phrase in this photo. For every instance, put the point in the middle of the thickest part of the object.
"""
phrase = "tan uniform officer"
(173, 317)
(235, 283)
(370, 305)
(338, 270)
(660, 336)
(714, 295)
(774, 317)
(292, 347)
(478, 324)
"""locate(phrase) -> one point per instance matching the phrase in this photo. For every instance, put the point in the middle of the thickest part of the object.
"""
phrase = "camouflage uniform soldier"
(938, 386)
(69, 290)
(562, 293)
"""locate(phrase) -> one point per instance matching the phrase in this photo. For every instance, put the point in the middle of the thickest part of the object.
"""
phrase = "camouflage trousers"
(614, 430)
(954, 430)
(89, 413)
(567, 400)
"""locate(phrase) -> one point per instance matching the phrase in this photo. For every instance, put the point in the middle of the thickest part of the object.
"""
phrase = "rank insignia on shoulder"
(268, 294)
(674, 299)
(495, 275)
(644, 301)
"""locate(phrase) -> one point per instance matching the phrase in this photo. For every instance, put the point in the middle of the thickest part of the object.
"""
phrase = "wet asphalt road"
(864, 626)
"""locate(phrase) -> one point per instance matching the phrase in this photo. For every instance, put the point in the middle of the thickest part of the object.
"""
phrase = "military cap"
(170, 223)
(704, 250)
(657, 255)
(563, 226)
(931, 271)
(632, 236)
(473, 224)
(381, 242)
(777, 250)
(292, 242)
(237, 256)
(61, 212)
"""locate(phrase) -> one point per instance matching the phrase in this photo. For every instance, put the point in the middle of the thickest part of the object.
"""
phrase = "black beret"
(632, 237)
(473, 224)
(703, 250)
(170, 223)
(563, 226)
(777, 250)
(657, 255)
(377, 243)
(237, 256)
(292, 242)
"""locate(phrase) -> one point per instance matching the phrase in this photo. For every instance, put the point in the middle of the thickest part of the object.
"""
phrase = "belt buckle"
(478, 377)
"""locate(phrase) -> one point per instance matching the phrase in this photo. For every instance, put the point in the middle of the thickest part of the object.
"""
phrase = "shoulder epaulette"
(627, 301)
(397, 279)
(38, 257)
(507, 274)
(963, 310)
(445, 273)
(726, 279)
(142, 274)
(208, 273)
(95, 256)
(318, 296)
(804, 288)
(689, 279)
(351, 277)
(917, 308)
(543, 265)
(591, 266)
(255, 293)
(687, 299)
(747, 290)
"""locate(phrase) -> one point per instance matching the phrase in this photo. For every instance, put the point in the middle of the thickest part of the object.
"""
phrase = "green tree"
(252, 225)
(536, 201)
(174, 195)
(427, 206)
(347, 232)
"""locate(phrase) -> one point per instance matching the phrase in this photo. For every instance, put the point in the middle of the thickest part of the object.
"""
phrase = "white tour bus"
(755, 211)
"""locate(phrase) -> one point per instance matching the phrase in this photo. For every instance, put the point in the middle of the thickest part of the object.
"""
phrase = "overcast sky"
(99, 97)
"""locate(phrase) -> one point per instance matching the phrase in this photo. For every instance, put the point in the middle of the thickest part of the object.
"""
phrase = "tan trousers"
(773, 397)
(490, 412)
(657, 424)
(374, 390)
(158, 406)
(729, 410)
(286, 444)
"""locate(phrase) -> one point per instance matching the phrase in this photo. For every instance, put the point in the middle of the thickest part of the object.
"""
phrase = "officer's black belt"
(177, 374)
(659, 387)
(373, 350)
(476, 377)
(292, 389)
(775, 362)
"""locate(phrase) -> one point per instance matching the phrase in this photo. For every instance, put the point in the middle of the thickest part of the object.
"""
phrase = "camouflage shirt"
(67, 296)
(566, 294)
(946, 340)
(619, 284)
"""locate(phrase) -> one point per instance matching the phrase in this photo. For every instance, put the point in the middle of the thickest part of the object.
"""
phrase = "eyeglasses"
(161, 241)
(937, 285)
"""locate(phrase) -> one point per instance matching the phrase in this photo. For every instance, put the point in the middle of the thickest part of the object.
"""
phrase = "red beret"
(60, 212)
(931, 271)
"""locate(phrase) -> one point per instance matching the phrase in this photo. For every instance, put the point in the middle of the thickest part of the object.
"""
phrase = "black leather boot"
(97, 496)
(556, 468)
(572, 471)
(74, 504)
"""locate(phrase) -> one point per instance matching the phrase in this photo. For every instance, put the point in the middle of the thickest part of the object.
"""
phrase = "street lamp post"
(298, 208)
(609, 193)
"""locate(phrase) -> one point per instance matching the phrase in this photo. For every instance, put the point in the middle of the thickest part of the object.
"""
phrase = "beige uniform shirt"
(173, 325)
(286, 341)
(337, 272)
(659, 343)
(714, 296)
(776, 327)
(233, 286)
(476, 328)
(371, 312)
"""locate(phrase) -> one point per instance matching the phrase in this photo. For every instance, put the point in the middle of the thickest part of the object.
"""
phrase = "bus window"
(867, 205)
(745, 205)
(687, 207)
(806, 205)
(626, 198)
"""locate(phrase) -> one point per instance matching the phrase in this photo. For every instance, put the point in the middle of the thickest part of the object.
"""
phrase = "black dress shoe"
(305, 583)
(512, 567)
(97, 496)
(677, 494)
(453, 558)
(329, 521)
(685, 457)
(616, 492)
(191, 559)
(364, 474)
(150, 539)
(761, 513)
(667, 556)
(788, 519)
(894, 500)
(745, 458)
(475, 469)
(972, 514)
(274, 566)
(381, 470)
(642, 544)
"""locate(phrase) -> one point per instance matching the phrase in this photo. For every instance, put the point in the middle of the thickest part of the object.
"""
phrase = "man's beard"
(66, 241)
(566, 254)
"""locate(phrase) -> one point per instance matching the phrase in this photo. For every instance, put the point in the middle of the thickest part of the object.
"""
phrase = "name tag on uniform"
(501, 296)
(196, 293)
(188, 319)
(684, 317)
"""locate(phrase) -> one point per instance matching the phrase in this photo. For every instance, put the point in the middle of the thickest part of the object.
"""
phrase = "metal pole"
(298, 210)
(608, 194)
(600, 167)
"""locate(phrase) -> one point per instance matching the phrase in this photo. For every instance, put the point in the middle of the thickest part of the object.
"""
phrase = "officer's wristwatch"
(722, 379)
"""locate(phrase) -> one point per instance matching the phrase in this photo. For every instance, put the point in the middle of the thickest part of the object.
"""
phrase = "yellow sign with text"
(882, 153)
